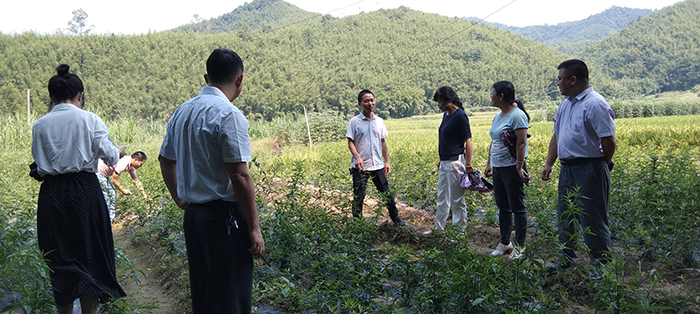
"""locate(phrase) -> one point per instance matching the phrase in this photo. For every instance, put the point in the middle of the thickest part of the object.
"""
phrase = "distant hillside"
(659, 53)
(573, 37)
(402, 55)
(259, 14)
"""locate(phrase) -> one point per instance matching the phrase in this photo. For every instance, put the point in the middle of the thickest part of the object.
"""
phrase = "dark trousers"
(359, 186)
(221, 268)
(587, 186)
(510, 198)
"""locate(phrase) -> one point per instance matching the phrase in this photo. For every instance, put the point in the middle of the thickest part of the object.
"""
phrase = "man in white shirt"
(367, 143)
(203, 161)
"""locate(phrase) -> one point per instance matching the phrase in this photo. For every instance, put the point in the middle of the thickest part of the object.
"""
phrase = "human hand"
(524, 176)
(126, 192)
(359, 164)
(545, 172)
(387, 168)
(487, 171)
(110, 171)
(257, 247)
(469, 170)
(180, 203)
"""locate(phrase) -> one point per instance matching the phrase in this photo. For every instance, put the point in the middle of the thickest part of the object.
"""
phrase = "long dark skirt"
(73, 228)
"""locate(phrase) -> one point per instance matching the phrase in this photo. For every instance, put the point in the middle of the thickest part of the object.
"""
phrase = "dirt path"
(149, 289)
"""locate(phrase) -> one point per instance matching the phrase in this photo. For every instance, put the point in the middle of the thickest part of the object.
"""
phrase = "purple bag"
(474, 182)
(508, 138)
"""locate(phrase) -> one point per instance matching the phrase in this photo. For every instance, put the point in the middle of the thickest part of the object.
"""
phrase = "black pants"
(510, 198)
(221, 268)
(359, 186)
(586, 184)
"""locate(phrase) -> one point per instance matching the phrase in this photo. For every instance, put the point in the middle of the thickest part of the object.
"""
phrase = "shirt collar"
(63, 106)
(214, 91)
(581, 95)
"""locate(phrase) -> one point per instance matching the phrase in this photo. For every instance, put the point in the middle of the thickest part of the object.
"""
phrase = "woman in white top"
(507, 164)
(73, 225)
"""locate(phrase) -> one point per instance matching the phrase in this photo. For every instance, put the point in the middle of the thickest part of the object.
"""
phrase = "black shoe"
(398, 221)
(597, 273)
(559, 265)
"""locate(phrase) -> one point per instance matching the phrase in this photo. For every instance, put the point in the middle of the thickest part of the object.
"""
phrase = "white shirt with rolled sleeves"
(580, 123)
(204, 134)
(367, 136)
(69, 140)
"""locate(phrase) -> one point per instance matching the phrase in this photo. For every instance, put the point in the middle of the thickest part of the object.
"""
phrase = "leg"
(195, 261)
(458, 204)
(567, 230)
(359, 185)
(65, 309)
(594, 197)
(382, 184)
(500, 194)
(516, 203)
(89, 303)
(443, 198)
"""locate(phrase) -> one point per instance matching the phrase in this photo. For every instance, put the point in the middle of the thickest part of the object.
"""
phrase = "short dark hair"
(446, 93)
(575, 68)
(362, 94)
(64, 85)
(139, 155)
(223, 66)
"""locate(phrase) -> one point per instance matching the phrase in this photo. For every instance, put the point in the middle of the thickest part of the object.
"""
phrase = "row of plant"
(321, 260)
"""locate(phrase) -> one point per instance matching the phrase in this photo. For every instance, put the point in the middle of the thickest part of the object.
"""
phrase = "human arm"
(520, 147)
(468, 154)
(115, 181)
(609, 144)
(244, 189)
(487, 171)
(168, 168)
(551, 157)
(385, 155)
(359, 164)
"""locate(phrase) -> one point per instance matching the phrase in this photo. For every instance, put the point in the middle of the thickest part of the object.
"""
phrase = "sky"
(130, 17)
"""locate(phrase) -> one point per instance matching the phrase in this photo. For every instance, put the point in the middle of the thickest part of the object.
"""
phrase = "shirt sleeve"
(167, 149)
(123, 164)
(233, 138)
(383, 133)
(351, 130)
(520, 121)
(600, 117)
(466, 128)
(103, 145)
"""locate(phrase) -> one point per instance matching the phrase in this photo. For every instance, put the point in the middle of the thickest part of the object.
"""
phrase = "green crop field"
(323, 261)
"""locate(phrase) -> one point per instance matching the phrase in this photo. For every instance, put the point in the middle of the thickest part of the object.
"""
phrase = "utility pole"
(29, 113)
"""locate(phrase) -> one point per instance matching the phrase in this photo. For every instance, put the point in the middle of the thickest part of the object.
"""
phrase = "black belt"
(574, 161)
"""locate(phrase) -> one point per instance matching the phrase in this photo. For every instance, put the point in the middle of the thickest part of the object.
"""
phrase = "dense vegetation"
(320, 260)
(658, 53)
(264, 15)
(573, 37)
(402, 55)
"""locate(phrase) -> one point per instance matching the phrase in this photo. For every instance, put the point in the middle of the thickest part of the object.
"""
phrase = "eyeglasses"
(559, 79)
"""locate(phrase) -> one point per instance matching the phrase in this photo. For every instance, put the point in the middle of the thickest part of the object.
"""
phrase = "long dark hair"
(64, 85)
(508, 90)
(446, 93)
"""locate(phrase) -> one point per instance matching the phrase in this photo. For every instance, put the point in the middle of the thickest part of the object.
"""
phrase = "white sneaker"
(518, 252)
(502, 249)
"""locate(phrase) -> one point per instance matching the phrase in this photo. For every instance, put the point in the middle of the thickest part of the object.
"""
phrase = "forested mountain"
(402, 55)
(573, 37)
(264, 15)
(658, 53)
